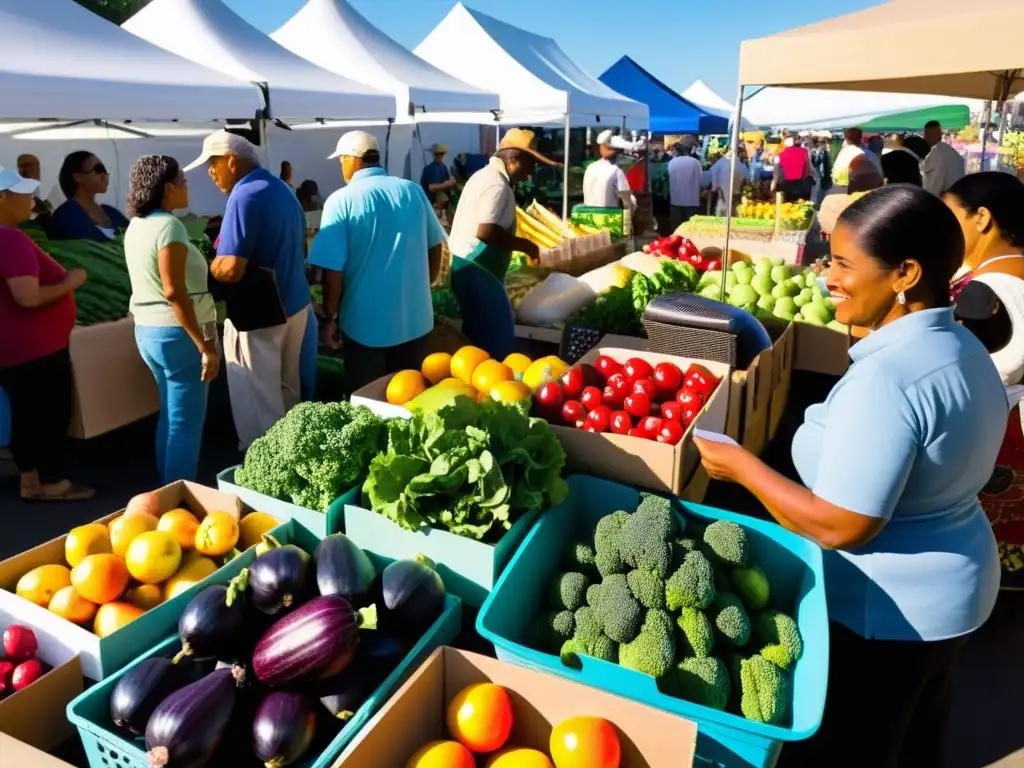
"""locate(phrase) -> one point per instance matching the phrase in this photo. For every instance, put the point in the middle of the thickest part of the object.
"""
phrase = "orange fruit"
(101, 578)
(404, 386)
(70, 605)
(40, 584)
(465, 361)
(544, 370)
(85, 540)
(518, 757)
(153, 557)
(126, 527)
(145, 596)
(480, 717)
(182, 525)
(442, 754)
(194, 568)
(252, 527)
(518, 362)
(112, 616)
(436, 367)
(585, 742)
(217, 534)
(511, 392)
(489, 374)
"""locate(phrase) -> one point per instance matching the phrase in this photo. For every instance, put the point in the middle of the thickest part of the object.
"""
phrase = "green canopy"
(952, 117)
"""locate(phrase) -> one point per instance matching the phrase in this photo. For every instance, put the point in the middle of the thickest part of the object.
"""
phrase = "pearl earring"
(901, 298)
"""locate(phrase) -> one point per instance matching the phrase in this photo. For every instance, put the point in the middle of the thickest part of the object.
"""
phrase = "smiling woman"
(891, 465)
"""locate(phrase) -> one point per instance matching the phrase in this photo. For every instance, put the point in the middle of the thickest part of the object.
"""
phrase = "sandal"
(74, 492)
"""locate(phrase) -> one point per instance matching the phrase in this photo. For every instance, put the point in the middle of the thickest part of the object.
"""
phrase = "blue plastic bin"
(793, 565)
(104, 748)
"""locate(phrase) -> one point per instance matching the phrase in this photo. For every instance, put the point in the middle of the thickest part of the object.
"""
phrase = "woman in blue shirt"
(892, 463)
(82, 177)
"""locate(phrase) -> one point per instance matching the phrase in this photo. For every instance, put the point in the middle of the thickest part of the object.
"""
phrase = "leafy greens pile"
(471, 468)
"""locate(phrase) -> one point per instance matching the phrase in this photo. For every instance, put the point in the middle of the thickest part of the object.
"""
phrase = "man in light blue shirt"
(379, 246)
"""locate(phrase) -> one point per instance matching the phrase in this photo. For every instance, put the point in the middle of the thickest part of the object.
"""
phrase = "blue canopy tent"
(670, 113)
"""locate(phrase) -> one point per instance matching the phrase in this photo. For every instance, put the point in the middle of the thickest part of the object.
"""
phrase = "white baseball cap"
(222, 143)
(355, 144)
(604, 138)
(10, 181)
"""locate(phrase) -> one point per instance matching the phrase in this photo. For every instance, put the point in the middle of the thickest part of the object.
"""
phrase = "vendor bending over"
(483, 238)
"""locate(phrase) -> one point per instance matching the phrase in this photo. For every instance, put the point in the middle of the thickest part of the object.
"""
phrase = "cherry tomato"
(637, 432)
(700, 378)
(672, 411)
(637, 404)
(579, 377)
(688, 396)
(590, 398)
(573, 413)
(606, 366)
(671, 432)
(647, 387)
(611, 398)
(667, 378)
(599, 418)
(550, 396)
(620, 423)
(713, 265)
(638, 368)
(651, 425)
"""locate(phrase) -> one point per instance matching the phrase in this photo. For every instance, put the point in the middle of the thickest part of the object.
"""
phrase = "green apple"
(743, 294)
(763, 267)
(816, 313)
(781, 274)
(711, 292)
(763, 284)
(709, 278)
(745, 277)
(835, 325)
(740, 266)
(777, 261)
(800, 300)
(767, 303)
(783, 313)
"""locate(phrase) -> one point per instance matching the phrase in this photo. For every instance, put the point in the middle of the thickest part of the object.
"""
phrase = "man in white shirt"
(943, 166)
(720, 182)
(684, 174)
(604, 182)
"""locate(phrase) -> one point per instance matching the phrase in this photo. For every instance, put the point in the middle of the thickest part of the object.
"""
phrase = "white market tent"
(334, 36)
(62, 61)
(703, 96)
(209, 33)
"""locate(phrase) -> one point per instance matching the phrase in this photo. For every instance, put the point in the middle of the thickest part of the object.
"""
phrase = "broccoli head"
(697, 633)
(580, 556)
(553, 629)
(659, 509)
(617, 611)
(680, 548)
(569, 591)
(692, 585)
(593, 595)
(773, 627)
(751, 584)
(730, 619)
(647, 587)
(606, 543)
(777, 655)
(654, 649)
(645, 538)
(728, 541)
(763, 691)
(588, 639)
(702, 681)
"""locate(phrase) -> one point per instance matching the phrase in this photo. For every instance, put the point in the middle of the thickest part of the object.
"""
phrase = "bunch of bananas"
(541, 226)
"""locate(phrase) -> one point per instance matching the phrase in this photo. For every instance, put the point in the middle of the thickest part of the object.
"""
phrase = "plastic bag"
(551, 302)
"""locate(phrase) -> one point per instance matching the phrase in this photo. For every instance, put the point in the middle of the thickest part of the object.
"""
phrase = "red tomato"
(612, 399)
(700, 378)
(667, 378)
(577, 378)
(550, 396)
(673, 240)
(618, 384)
(590, 398)
(671, 432)
(599, 418)
(637, 368)
(714, 265)
(620, 423)
(637, 404)
(637, 432)
(672, 411)
(651, 425)
(606, 366)
(573, 413)
(690, 397)
(647, 387)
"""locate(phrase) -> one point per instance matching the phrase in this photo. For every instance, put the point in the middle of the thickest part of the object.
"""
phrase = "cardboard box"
(112, 384)
(783, 352)
(415, 715)
(820, 350)
(103, 657)
(754, 249)
(18, 753)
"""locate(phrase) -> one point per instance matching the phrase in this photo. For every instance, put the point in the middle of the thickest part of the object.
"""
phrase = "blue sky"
(676, 42)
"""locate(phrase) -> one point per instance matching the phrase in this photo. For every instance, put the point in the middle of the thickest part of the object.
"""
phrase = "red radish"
(637, 432)
(606, 366)
(651, 425)
(599, 418)
(621, 423)
(6, 671)
(590, 398)
(26, 673)
(667, 378)
(577, 378)
(647, 387)
(573, 413)
(611, 398)
(637, 368)
(20, 643)
(672, 411)
(637, 404)
(549, 396)
(671, 432)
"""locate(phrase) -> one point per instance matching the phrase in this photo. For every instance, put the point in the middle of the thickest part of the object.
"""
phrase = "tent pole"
(565, 166)
(734, 146)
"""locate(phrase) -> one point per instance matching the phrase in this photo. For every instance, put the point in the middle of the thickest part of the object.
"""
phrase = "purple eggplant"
(412, 596)
(342, 568)
(283, 728)
(213, 623)
(378, 655)
(278, 579)
(187, 727)
(141, 689)
(315, 641)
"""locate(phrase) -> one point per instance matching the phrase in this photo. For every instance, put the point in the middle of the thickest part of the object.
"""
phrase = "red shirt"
(795, 163)
(637, 176)
(30, 333)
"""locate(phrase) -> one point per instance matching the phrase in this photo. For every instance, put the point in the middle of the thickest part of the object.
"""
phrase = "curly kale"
(692, 585)
(697, 633)
(569, 591)
(654, 649)
(314, 454)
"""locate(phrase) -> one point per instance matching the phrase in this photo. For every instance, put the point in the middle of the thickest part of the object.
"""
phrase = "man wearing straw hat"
(437, 182)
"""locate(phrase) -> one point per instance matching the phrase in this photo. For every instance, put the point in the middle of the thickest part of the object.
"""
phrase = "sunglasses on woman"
(99, 169)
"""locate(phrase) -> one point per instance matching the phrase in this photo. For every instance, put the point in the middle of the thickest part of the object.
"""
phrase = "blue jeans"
(307, 357)
(177, 366)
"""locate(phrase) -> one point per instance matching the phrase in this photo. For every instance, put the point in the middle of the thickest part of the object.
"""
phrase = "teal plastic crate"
(470, 568)
(319, 523)
(105, 748)
(793, 565)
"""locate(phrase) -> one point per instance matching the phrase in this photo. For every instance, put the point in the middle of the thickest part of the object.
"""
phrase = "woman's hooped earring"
(901, 298)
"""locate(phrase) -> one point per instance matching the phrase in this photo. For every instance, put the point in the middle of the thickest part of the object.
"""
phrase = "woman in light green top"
(175, 316)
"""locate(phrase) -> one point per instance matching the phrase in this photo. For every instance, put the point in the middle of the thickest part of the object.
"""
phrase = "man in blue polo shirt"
(260, 260)
(379, 246)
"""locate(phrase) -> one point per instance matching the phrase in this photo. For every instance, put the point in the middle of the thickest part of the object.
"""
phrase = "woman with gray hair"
(175, 316)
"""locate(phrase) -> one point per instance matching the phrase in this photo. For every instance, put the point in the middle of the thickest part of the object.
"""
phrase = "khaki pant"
(263, 374)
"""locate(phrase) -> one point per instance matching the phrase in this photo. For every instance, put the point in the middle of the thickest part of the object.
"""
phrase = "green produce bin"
(105, 748)
(599, 218)
(319, 523)
(794, 569)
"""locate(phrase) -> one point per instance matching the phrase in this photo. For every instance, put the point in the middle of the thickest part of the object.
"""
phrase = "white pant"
(263, 374)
